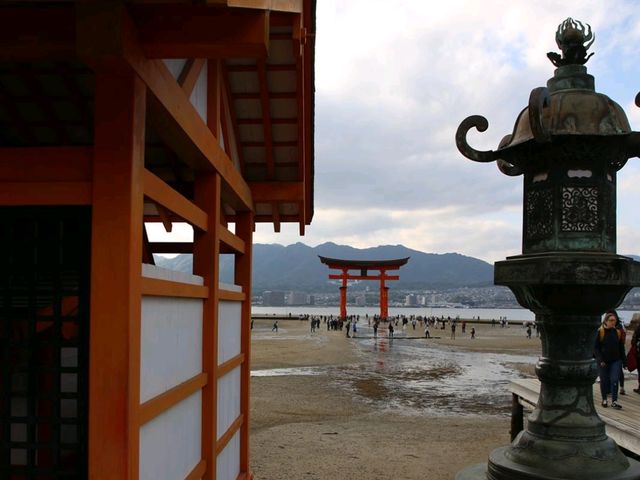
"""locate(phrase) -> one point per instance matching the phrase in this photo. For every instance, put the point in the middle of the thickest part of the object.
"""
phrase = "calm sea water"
(515, 314)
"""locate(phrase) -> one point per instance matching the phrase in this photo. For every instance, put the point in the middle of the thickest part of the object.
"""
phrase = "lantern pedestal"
(564, 437)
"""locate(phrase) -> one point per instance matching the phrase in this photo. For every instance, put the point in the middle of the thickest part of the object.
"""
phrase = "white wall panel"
(228, 462)
(171, 337)
(170, 443)
(229, 330)
(228, 400)
(170, 343)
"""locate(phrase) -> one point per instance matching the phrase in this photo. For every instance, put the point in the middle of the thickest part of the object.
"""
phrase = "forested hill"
(297, 266)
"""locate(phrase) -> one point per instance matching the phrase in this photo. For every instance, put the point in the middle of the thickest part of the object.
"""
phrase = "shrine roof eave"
(343, 263)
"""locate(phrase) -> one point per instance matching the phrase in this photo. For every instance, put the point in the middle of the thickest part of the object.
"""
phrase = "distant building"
(361, 300)
(297, 298)
(273, 298)
(411, 300)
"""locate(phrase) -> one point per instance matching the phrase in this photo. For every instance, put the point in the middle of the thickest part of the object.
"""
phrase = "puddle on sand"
(411, 375)
(424, 377)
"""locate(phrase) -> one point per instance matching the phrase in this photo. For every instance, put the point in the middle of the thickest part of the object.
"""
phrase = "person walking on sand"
(375, 329)
(453, 330)
(473, 332)
(609, 353)
(355, 329)
(275, 326)
(390, 329)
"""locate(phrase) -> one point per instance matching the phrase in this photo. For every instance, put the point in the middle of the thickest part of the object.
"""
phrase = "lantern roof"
(568, 106)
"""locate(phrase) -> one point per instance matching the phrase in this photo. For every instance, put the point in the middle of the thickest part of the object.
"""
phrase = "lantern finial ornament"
(574, 39)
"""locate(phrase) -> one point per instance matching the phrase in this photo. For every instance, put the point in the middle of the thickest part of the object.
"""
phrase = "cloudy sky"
(394, 80)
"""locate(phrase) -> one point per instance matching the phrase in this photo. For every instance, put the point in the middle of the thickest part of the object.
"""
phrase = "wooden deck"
(623, 426)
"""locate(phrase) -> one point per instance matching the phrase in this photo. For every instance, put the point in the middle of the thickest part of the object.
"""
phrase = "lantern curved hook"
(467, 124)
(538, 100)
(505, 167)
(633, 140)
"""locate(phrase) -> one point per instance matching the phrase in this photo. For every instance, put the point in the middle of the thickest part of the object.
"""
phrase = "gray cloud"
(394, 83)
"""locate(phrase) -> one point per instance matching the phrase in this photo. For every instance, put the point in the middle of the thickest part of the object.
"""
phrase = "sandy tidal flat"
(324, 406)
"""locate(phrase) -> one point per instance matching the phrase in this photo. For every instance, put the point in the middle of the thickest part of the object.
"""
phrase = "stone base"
(476, 472)
(503, 469)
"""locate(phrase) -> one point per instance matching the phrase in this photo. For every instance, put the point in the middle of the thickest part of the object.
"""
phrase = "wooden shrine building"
(115, 114)
(363, 267)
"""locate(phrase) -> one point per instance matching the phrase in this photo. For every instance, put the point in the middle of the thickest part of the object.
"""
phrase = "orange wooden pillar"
(384, 297)
(244, 230)
(343, 295)
(205, 263)
(114, 366)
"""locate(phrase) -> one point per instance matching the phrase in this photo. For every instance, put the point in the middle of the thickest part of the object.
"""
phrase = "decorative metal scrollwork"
(539, 213)
(481, 124)
(538, 100)
(579, 209)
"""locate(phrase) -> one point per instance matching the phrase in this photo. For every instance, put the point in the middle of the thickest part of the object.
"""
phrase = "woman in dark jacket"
(609, 353)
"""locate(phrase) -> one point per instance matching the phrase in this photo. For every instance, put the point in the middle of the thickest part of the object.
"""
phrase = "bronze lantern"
(568, 144)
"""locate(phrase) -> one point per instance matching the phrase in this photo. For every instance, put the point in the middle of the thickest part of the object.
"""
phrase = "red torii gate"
(364, 266)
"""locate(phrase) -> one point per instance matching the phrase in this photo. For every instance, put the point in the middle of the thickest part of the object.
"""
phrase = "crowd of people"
(416, 323)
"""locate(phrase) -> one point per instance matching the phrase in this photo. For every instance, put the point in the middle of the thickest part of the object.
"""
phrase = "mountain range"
(297, 267)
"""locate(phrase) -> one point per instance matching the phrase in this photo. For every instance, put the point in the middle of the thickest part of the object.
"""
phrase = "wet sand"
(324, 406)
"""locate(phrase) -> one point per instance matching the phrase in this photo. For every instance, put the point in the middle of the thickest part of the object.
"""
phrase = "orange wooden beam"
(234, 142)
(165, 31)
(266, 118)
(198, 471)
(163, 402)
(187, 31)
(232, 295)
(166, 288)
(275, 215)
(45, 193)
(303, 174)
(190, 73)
(214, 97)
(290, 192)
(228, 435)
(161, 193)
(171, 247)
(308, 50)
(233, 242)
(242, 273)
(116, 256)
(363, 277)
(229, 365)
(107, 40)
(206, 264)
(45, 164)
(165, 217)
(37, 33)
